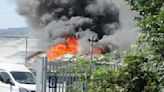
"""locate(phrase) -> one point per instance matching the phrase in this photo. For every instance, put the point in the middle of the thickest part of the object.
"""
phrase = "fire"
(70, 47)
(60, 49)
(98, 51)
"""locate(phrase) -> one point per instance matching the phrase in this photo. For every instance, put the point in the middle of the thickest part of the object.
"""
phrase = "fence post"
(41, 74)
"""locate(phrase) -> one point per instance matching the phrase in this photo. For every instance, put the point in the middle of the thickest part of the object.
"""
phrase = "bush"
(143, 67)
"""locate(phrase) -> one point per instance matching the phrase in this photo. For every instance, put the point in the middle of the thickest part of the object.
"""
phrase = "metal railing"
(62, 76)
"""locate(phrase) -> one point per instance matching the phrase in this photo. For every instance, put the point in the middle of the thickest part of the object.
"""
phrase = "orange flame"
(61, 49)
(98, 51)
(70, 47)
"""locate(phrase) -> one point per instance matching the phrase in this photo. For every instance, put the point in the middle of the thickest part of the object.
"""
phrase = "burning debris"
(70, 26)
(60, 49)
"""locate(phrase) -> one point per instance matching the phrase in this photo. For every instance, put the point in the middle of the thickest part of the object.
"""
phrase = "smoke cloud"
(54, 20)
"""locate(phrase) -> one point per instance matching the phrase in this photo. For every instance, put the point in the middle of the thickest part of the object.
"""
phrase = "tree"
(145, 67)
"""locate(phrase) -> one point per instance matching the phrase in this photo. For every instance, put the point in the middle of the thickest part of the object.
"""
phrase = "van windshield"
(23, 77)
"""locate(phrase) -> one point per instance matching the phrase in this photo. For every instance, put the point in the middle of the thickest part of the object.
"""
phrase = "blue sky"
(8, 15)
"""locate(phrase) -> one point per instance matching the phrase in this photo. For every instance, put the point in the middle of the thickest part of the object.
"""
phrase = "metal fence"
(63, 76)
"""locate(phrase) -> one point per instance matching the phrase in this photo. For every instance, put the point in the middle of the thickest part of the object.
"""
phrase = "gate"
(61, 76)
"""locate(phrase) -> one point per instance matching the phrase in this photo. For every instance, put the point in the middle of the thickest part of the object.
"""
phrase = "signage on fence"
(52, 81)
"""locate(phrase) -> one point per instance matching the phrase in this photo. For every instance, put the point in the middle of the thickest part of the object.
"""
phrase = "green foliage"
(143, 67)
(99, 79)
(151, 22)
(153, 32)
(140, 75)
(146, 66)
(146, 7)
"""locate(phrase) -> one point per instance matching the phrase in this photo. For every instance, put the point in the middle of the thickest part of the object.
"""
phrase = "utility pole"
(26, 38)
(91, 51)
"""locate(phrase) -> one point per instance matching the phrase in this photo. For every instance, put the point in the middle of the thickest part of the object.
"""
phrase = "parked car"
(16, 78)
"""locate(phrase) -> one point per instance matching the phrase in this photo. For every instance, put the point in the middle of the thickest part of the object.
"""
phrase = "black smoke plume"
(54, 20)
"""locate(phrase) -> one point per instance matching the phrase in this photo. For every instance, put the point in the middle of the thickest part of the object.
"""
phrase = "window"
(23, 77)
(0, 78)
(4, 77)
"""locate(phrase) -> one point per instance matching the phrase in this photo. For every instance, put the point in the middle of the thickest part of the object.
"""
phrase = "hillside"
(14, 32)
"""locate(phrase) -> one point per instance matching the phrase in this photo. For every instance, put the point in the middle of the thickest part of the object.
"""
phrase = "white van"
(16, 78)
